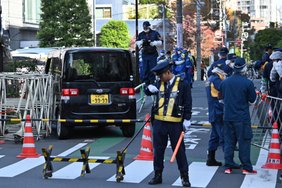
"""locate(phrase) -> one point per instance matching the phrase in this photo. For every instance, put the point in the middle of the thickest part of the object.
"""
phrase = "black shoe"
(157, 179)
(211, 159)
(185, 180)
(213, 163)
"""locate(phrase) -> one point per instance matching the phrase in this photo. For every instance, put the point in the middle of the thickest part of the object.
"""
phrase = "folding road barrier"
(48, 167)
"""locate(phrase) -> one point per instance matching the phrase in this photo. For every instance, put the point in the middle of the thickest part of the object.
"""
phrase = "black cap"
(223, 51)
(269, 46)
(240, 63)
(146, 23)
(231, 56)
(161, 67)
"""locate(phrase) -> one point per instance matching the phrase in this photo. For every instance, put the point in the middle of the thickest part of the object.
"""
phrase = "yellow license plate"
(99, 99)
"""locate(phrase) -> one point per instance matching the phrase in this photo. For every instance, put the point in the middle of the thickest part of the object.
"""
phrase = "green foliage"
(29, 64)
(262, 39)
(114, 34)
(65, 23)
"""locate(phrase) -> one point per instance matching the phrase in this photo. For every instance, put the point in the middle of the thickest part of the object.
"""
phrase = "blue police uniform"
(215, 111)
(173, 104)
(237, 92)
(149, 54)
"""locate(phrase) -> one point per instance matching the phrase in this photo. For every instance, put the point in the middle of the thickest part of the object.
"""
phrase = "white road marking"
(144, 169)
(264, 177)
(73, 170)
(199, 174)
(30, 163)
(2, 156)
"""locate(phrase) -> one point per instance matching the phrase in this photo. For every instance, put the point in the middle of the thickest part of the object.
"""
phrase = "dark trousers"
(241, 132)
(148, 62)
(216, 136)
(161, 131)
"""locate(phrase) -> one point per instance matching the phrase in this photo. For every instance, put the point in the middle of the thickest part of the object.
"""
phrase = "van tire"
(63, 131)
(128, 130)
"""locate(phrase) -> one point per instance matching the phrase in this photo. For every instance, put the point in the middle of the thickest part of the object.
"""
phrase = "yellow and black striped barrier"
(48, 167)
(77, 120)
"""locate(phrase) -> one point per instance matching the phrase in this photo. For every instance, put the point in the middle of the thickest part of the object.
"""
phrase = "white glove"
(186, 125)
(139, 43)
(153, 89)
(156, 43)
(227, 62)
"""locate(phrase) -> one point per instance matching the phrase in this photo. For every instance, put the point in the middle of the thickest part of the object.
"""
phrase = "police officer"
(222, 58)
(148, 40)
(215, 107)
(171, 113)
(238, 92)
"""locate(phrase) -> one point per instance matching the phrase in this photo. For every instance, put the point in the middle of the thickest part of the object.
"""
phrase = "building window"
(32, 11)
(103, 12)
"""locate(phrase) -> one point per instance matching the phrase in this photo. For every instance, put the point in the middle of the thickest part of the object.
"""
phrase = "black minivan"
(90, 84)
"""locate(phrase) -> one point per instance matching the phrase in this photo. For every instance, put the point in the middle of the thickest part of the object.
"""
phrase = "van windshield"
(98, 66)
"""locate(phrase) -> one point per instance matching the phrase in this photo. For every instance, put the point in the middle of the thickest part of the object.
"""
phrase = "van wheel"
(128, 130)
(63, 131)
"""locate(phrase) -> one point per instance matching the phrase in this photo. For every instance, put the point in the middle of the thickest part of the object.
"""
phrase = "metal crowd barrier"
(264, 113)
(143, 97)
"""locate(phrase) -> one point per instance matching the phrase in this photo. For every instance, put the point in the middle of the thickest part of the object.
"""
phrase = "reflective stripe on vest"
(173, 94)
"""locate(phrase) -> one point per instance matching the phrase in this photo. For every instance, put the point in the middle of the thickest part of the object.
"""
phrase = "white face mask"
(162, 54)
(178, 52)
(146, 30)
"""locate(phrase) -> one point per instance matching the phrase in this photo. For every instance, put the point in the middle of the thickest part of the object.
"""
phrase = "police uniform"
(215, 107)
(172, 105)
(237, 92)
(149, 53)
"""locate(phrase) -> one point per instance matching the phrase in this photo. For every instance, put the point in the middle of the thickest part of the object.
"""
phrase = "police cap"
(231, 56)
(239, 63)
(161, 67)
(146, 23)
(269, 46)
(223, 51)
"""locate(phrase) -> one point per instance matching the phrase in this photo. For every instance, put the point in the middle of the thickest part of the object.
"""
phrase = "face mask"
(178, 52)
(162, 54)
(146, 30)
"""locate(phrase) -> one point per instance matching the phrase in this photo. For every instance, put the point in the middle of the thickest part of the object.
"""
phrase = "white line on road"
(199, 174)
(2, 156)
(144, 169)
(264, 177)
(30, 163)
(73, 170)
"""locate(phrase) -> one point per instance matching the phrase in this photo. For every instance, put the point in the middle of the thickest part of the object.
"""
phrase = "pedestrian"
(223, 52)
(148, 41)
(275, 76)
(171, 114)
(238, 92)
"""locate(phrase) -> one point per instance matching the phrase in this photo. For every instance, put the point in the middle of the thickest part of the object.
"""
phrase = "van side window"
(55, 66)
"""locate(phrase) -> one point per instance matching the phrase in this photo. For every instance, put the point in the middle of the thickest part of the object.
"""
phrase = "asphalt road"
(105, 142)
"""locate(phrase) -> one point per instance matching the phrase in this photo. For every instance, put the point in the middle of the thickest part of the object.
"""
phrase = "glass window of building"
(32, 11)
(103, 12)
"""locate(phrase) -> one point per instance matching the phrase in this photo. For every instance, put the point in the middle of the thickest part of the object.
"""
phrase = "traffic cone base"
(28, 149)
(274, 156)
(2, 141)
(146, 150)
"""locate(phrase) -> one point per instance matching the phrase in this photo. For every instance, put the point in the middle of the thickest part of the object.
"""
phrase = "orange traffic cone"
(146, 150)
(28, 150)
(274, 157)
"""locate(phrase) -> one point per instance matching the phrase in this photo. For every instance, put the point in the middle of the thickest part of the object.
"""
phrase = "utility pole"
(220, 20)
(164, 34)
(136, 35)
(198, 39)
(1, 45)
(179, 24)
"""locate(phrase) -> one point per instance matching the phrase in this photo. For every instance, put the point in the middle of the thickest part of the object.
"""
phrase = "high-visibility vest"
(167, 108)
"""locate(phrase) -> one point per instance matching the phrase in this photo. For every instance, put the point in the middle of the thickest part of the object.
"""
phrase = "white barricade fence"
(23, 94)
(264, 113)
